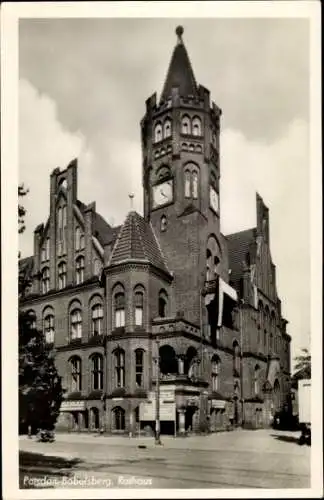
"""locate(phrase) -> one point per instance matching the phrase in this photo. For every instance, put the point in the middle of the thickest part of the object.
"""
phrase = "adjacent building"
(163, 293)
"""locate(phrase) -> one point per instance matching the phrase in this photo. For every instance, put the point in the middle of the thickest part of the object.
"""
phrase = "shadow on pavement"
(34, 467)
(287, 439)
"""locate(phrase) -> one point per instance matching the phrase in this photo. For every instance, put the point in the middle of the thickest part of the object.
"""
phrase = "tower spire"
(180, 73)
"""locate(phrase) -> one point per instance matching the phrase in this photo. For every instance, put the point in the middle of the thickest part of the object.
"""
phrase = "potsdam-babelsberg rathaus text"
(165, 287)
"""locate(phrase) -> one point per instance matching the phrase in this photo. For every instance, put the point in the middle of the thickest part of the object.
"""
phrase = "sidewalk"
(258, 440)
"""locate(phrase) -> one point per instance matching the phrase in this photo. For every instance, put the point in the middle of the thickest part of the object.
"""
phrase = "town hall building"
(165, 294)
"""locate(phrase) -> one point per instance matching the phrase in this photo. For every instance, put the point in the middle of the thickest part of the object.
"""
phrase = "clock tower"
(181, 172)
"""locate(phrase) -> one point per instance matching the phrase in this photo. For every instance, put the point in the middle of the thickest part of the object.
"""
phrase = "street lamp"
(157, 395)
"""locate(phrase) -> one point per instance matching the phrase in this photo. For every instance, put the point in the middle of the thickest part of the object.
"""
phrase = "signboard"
(72, 406)
(167, 410)
(216, 403)
(167, 405)
(304, 401)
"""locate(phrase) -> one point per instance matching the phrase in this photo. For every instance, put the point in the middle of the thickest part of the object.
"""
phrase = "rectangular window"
(139, 368)
(215, 382)
(138, 316)
(120, 318)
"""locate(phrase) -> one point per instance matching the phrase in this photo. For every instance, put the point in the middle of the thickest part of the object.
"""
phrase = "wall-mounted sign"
(72, 406)
(216, 403)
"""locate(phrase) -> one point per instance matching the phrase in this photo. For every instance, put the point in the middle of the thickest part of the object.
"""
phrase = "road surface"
(238, 459)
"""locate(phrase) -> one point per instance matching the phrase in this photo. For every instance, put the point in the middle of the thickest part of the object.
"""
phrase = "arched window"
(118, 418)
(196, 126)
(48, 328)
(45, 250)
(79, 270)
(276, 395)
(185, 125)
(216, 264)
(163, 223)
(31, 318)
(139, 367)
(96, 372)
(167, 128)
(61, 230)
(119, 310)
(209, 275)
(119, 365)
(139, 305)
(163, 301)
(94, 418)
(191, 181)
(75, 370)
(158, 132)
(187, 183)
(168, 360)
(256, 380)
(215, 373)
(76, 324)
(62, 275)
(45, 280)
(190, 361)
(79, 239)
(236, 358)
(194, 185)
(97, 319)
(163, 172)
(97, 267)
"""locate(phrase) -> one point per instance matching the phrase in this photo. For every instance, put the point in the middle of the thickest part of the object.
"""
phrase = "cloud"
(280, 173)
(44, 144)
(110, 169)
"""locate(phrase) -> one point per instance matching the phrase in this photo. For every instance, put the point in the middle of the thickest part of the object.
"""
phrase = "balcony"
(180, 380)
(161, 326)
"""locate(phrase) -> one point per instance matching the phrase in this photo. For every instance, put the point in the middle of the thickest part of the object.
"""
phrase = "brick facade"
(159, 278)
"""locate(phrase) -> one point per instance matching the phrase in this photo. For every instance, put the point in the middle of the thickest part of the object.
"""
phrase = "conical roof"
(137, 241)
(180, 73)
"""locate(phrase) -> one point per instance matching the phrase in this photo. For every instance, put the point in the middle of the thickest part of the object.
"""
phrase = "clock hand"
(165, 196)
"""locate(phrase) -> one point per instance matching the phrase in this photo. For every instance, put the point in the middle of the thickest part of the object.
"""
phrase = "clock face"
(162, 193)
(214, 199)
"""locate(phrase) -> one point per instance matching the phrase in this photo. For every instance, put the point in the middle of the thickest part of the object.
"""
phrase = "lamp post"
(157, 395)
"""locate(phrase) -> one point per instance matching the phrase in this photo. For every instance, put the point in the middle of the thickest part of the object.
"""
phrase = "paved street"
(238, 459)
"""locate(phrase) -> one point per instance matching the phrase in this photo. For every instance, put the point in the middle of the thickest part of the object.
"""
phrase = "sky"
(82, 90)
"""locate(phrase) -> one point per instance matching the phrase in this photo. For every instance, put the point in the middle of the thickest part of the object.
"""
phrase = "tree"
(40, 386)
(303, 364)
(22, 191)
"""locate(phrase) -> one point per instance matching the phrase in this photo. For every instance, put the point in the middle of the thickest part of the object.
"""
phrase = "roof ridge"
(160, 249)
(115, 244)
(140, 235)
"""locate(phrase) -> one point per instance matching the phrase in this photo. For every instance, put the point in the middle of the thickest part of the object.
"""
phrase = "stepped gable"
(137, 241)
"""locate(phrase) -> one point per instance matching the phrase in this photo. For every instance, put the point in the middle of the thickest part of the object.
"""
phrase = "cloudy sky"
(82, 90)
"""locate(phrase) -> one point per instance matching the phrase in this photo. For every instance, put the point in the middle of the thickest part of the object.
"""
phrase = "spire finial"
(131, 198)
(179, 32)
